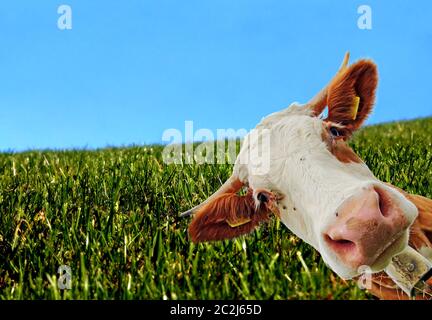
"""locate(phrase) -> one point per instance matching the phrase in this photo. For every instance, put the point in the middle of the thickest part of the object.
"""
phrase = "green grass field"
(111, 215)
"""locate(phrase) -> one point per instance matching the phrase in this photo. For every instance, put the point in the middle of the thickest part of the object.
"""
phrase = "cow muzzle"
(368, 228)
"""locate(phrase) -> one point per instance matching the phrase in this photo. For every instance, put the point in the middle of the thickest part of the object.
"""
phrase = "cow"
(319, 188)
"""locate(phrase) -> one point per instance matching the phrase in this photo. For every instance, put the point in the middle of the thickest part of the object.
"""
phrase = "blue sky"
(128, 70)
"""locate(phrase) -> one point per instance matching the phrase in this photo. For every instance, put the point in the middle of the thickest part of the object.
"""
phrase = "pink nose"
(366, 224)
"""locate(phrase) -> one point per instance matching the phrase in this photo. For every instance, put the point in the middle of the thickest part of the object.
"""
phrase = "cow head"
(320, 189)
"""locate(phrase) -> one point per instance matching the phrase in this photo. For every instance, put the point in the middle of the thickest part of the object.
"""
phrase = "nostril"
(343, 242)
(384, 202)
(340, 245)
(262, 197)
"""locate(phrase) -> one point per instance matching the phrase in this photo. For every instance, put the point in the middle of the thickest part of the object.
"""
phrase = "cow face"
(317, 185)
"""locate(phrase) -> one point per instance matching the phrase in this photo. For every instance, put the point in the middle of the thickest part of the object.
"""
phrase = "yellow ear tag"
(238, 223)
(355, 106)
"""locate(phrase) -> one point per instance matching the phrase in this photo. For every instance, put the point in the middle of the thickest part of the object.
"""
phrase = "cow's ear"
(351, 94)
(227, 216)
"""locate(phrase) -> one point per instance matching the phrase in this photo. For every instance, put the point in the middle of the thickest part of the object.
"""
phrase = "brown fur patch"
(211, 221)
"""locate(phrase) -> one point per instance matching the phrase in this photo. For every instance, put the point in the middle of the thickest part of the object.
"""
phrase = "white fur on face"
(313, 181)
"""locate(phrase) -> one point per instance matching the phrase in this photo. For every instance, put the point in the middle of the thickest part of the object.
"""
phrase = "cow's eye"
(335, 132)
